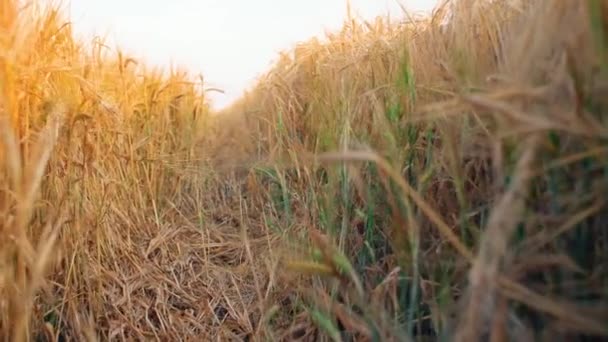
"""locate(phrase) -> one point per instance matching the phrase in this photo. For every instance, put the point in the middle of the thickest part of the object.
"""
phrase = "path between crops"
(204, 273)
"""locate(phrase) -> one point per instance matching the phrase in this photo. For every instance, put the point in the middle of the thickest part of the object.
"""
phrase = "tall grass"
(423, 180)
(446, 175)
(105, 225)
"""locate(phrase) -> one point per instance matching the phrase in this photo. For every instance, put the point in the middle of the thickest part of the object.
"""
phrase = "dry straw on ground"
(414, 180)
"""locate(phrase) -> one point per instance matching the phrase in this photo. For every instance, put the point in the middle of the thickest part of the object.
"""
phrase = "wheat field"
(429, 179)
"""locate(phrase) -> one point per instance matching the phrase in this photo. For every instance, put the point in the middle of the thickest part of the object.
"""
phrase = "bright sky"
(230, 42)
